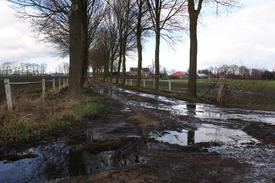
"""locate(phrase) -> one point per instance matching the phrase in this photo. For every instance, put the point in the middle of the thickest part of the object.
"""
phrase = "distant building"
(200, 75)
(145, 72)
(178, 74)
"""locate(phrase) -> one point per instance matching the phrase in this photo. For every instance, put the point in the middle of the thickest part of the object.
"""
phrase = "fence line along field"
(27, 85)
(63, 83)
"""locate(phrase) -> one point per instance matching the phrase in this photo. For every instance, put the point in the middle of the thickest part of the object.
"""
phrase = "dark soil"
(263, 132)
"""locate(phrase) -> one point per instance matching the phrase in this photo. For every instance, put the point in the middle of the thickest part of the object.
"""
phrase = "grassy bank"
(33, 120)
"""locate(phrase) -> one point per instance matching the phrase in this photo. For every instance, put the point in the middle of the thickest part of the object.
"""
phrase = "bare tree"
(122, 11)
(141, 27)
(95, 15)
(66, 19)
(194, 9)
(164, 16)
(57, 19)
(63, 68)
(112, 41)
(99, 55)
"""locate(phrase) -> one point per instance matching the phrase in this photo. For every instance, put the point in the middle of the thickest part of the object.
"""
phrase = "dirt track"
(148, 138)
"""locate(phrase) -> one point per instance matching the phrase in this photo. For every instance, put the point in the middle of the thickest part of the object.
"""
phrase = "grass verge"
(33, 120)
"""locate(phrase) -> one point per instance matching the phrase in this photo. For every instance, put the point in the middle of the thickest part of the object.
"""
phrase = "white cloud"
(243, 37)
(246, 36)
(19, 42)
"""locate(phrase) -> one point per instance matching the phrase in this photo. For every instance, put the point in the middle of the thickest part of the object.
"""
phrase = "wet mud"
(263, 132)
(148, 138)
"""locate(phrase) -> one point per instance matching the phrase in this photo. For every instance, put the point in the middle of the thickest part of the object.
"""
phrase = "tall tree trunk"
(106, 66)
(139, 44)
(111, 68)
(124, 66)
(139, 49)
(85, 43)
(157, 60)
(119, 65)
(192, 82)
(105, 77)
(77, 48)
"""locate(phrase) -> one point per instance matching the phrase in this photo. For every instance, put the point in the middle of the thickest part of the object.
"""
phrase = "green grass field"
(243, 84)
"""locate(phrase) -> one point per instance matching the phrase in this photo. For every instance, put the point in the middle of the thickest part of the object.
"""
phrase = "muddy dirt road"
(148, 138)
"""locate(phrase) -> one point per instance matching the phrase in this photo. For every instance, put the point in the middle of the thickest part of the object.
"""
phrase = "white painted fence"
(130, 82)
(62, 83)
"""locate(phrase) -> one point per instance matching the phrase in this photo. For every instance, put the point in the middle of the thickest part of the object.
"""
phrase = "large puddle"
(205, 133)
(183, 108)
(49, 162)
(58, 160)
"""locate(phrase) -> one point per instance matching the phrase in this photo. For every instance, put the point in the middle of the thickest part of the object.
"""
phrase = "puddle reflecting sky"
(205, 133)
(58, 160)
(183, 108)
(49, 162)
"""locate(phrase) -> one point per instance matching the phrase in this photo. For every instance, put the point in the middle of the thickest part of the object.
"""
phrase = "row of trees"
(239, 72)
(105, 31)
(23, 69)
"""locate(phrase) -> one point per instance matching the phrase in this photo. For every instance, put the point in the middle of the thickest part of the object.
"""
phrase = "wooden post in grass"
(144, 83)
(223, 92)
(43, 90)
(169, 85)
(63, 83)
(59, 84)
(8, 94)
(54, 88)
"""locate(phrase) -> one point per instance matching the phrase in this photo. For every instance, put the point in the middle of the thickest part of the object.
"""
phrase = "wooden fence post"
(169, 85)
(54, 88)
(63, 83)
(59, 84)
(8, 94)
(67, 82)
(144, 83)
(131, 82)
(43, 89)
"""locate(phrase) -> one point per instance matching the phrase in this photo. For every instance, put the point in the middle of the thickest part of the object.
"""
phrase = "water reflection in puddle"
(85, 163)
(205, 111)
(205, 133)
(183, 108)
(48, 163)
(58, 160)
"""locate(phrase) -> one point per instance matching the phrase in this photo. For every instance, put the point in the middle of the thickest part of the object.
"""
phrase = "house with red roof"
(178, 74)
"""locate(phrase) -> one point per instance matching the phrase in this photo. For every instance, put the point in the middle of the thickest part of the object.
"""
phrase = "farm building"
(145, 72)
(178, 74)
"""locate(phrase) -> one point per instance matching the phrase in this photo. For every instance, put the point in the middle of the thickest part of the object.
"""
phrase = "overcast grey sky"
(245, 36)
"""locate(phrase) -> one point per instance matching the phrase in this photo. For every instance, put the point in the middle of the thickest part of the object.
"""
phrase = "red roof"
(178, 74)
